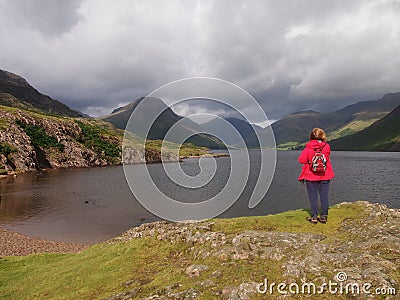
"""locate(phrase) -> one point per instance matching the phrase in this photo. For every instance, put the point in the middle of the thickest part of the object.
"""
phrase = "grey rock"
(128, 295)
(188, 294)
(195, 270)
(216, 274)
(206, 283)
(247, 290)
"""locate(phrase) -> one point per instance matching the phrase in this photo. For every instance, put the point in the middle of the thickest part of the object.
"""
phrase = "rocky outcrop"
(70, 148)
(132, 155)
(28, 157)
(364, 250)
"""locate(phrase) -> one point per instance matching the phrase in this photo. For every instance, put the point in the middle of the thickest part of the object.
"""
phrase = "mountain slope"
(356, 117)
(383, 135)
(244, 128)
(297, 127)
(120, 116)
(15, 91)
(294, 129)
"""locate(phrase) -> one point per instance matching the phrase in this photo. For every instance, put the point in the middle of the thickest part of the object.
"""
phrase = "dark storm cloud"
(290, 55)
(49, 17)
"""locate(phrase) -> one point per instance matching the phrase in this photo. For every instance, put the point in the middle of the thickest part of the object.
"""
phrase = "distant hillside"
(354, 118)
(15, 91)
(244, 128)
(383, 135)
(293, 130)
(296, 127)
(120, 116)
(290, 132)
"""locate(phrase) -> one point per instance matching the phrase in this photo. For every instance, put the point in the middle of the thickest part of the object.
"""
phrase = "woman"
(317, 172)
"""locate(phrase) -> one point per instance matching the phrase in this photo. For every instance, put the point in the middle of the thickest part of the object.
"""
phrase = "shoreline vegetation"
(212, 259)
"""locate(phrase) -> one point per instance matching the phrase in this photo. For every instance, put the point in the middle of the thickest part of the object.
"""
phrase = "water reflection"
(22, 197)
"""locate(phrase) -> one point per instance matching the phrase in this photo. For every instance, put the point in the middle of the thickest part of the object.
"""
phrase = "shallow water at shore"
(92, 205)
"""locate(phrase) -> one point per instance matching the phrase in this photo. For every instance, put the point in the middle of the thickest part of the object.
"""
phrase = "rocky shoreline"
(16, 244)
(214, 155)
(366, 249)
(139, 159)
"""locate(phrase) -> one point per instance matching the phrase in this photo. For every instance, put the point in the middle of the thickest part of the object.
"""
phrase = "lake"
(92, 205)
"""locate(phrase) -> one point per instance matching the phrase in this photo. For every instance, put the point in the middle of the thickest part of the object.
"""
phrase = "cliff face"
(31, 141)
(26, 135)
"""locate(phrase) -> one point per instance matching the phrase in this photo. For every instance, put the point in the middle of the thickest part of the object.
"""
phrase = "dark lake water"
(92, 205)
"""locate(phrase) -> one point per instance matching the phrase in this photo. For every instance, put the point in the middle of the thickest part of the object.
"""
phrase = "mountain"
(120, 116)
(383, 135)
(296, 127)
(354, 118)
(15, 91)
(290, 132)
(293, 130)
(244, 128)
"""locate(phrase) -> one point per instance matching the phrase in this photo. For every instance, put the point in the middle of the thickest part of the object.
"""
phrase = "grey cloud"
(290, 55)
(49, 17)
(198, 106)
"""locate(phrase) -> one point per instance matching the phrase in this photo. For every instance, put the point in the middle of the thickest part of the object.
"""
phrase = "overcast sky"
(290, 55)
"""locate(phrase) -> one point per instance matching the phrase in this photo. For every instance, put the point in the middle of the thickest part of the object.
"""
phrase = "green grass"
(4, 123)
(34, 112)
(290, 146)
(99, 139)
(291, 221)
(380, 136)
(6, 149)
(186, 149)
(150, 265)
(39, 137)
(351, 128)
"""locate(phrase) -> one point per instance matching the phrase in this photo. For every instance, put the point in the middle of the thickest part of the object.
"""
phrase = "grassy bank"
(153, 264)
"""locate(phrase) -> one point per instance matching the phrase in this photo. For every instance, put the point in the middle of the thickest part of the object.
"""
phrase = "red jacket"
(306, 157)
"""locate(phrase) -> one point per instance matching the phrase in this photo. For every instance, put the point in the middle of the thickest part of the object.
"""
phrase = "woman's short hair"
(318, 134)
